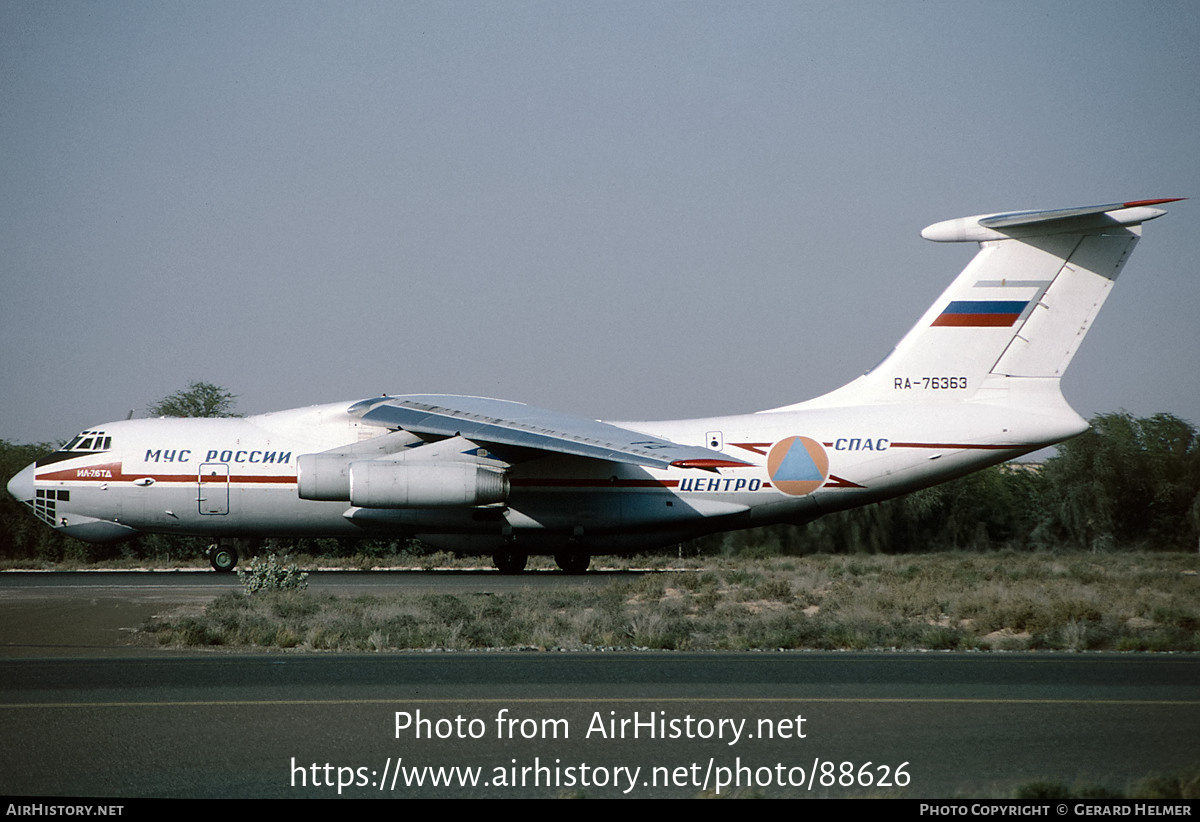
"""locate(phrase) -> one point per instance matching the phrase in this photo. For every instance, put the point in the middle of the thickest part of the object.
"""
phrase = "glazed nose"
(21, 485)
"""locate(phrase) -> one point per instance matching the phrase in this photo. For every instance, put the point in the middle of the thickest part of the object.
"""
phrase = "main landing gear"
(509, 561)
(573, 563)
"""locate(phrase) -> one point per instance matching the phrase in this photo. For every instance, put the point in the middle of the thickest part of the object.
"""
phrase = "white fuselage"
(238, 477)
(975, 382)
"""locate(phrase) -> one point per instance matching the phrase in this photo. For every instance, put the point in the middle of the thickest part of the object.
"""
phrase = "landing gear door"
(213, 496)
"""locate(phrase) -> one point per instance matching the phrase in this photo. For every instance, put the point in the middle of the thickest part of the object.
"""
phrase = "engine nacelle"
(424, 484)
(398, 483)
(323, 477)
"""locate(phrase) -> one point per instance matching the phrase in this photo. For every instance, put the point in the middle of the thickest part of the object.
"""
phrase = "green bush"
(270, 575)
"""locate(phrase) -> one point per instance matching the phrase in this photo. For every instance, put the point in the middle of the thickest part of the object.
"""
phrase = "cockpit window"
(88, 441)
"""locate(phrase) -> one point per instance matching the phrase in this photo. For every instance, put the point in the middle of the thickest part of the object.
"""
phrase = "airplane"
(976, 382)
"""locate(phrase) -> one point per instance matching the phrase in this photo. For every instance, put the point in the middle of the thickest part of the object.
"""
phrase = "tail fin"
(1015, 316)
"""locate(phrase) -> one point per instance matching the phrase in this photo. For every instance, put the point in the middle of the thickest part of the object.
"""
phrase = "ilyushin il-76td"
(974, 383)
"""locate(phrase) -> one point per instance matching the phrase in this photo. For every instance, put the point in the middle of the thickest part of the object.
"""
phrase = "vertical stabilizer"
(1015, 316)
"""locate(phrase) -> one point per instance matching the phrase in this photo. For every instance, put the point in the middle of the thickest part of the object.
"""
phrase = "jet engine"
(400, 483)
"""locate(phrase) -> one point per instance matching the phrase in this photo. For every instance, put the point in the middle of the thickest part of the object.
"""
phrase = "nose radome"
(21, 485)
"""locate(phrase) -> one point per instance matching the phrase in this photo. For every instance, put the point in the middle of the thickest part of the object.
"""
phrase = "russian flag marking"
(981, 313)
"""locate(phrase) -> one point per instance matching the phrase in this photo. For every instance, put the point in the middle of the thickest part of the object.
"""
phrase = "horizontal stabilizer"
(985, 227)
(1017, 218)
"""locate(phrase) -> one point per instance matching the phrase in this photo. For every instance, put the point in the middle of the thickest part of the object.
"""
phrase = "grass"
(1002, 601)
(1183, 785)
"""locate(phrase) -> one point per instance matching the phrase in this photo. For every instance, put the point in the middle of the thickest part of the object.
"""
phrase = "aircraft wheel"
(573, 563)
(510, 562)
(223, 558)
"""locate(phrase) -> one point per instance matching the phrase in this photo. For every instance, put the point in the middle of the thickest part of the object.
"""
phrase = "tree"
(199, 399)
(1127, 482)
(22, 536)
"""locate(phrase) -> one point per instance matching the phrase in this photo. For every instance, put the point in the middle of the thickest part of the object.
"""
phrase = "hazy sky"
(619, 210)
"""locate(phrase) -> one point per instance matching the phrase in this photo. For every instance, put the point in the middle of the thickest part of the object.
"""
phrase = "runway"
(919, 725)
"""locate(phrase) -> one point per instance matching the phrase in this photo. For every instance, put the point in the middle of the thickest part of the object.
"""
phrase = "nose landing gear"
(223, 556)
(224, 553)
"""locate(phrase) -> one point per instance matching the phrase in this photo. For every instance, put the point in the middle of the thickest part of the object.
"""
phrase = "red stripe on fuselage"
(111, 472)
(756, 447)
(956, 445)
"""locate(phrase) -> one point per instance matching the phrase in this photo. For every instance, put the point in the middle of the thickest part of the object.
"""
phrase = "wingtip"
(1139, 203)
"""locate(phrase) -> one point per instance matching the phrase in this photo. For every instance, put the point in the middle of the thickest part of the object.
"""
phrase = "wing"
(505, 423)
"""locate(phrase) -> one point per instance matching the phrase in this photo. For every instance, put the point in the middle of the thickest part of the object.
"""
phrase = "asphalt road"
(83, 721)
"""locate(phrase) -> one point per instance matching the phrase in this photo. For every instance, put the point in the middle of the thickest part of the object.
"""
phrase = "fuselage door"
(213, 489)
